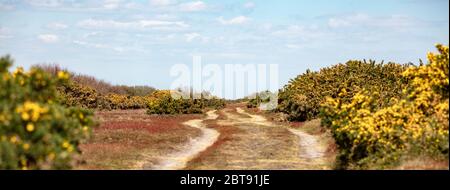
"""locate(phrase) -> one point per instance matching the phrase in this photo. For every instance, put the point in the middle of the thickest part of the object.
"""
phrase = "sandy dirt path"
(178, 160)
(255, 143)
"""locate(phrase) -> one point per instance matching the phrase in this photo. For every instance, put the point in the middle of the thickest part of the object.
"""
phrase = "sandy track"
(260, 144)
(178, 160)
(311, 148)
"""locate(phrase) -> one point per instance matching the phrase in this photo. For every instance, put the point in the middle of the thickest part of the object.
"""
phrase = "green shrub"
(301, 97)
(36, 131)
(118, 101)
(372, 135)
(74, 94)
(162, 102)
(265, 100)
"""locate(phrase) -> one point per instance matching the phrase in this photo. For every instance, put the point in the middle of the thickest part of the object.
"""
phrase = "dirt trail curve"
(178, 160)
(260, 144)
(244, 141)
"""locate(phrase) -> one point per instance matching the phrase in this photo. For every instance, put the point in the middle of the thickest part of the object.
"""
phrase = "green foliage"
(162, 102)
(36, 131)
(370, 134)
(301, 97)
(259, 98)
(101, 87)
(118, 101)
(74, 94)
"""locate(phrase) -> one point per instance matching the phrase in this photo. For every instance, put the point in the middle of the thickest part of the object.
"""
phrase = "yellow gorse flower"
(30, 127)
(31, 111)
(26, 146)
(13, 139)
(17, 72)
(65, 144)
(63, 75)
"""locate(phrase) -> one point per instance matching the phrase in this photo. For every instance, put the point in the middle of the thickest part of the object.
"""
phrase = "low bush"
(372, 135)
(162, 102)
(36, 131)
(301, 97)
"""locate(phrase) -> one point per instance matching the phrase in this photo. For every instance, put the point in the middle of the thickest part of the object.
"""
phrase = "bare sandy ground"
(229, 139)
(259, 144)
(178, 160)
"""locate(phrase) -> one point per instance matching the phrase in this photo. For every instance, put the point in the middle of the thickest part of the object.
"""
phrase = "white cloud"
(336, 22)
(93, 34)
(161, 2)
(132, 5)
(292, 30)
(6, 6)
(249, 5)
(85, 5)
(193, 6)
(364, 20)
(233, 21)
(5, 36)
(293, 46)
(300, 33)
(139, 24)
(48, 38)
(191, 36)
(99, 46)
(165, 17)
(111, 4)
(4, 33)
(57, 26)
(116, 48)
(45, 3)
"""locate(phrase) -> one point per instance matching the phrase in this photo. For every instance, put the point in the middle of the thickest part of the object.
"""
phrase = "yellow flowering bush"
(118, 101)
(36, 131)
(417, 122)
(301, 98)
(74, 94)
(162, 102)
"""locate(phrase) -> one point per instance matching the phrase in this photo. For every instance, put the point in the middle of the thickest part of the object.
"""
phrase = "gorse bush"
(302, 96)
(100, 86)
(118, 101)
(74, 94)
(105, 88)
(162, 102)
(258, 98)
(36, 131)
(372, 135)
(265, 100)
(89, 92)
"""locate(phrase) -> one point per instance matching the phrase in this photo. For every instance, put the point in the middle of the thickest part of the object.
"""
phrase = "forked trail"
(244, 141)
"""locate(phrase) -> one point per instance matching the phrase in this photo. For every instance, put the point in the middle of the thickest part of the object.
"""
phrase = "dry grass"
(124, 136)
(312, 127)
(423, 163)
(245, 145)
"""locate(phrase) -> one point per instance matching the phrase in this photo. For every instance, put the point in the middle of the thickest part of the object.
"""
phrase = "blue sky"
(137, 42)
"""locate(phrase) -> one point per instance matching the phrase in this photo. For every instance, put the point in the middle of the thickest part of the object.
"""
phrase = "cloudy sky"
(135, 42)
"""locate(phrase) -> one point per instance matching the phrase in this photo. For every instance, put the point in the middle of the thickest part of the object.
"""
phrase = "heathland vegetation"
(47, 112)
(379, 114)
(36, 130)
